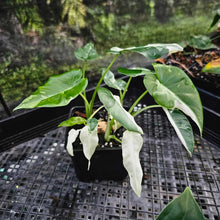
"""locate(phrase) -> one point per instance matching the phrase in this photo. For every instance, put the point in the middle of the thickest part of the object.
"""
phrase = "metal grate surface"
(37, 179)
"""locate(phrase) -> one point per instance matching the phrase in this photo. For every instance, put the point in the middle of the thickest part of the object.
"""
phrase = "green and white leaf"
(151, 51)
(172, 88)
(131, 145)
(59, 90)
(133, 72)
(110, 81)
(182, 127)
(87, 52)
(184, 207)
(201, 42)
(114, 108)
(72, 121)
(92, 123)
(72, 135)
(89, 140)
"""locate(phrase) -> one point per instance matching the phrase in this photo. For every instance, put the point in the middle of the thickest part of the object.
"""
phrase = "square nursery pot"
(105, 164)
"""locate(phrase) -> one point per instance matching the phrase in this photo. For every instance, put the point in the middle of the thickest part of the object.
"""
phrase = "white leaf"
(131, 146)
(89, 141)
(72, 135)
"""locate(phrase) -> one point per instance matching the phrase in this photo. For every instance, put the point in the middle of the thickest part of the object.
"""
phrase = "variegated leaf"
(89, 140)
(72, 135)
(182, 127)
(172, 88)
(131, 146)
(114, 107)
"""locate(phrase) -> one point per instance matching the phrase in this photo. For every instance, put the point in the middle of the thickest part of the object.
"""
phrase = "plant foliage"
(201, 42)
(170, 87)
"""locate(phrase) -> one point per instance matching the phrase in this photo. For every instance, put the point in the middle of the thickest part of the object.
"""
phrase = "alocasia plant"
(171, 88)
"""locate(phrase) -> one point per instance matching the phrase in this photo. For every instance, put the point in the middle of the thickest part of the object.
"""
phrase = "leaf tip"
(16, 108)
(88, 165)
(141, 130)
(138, 193)
(60, 125)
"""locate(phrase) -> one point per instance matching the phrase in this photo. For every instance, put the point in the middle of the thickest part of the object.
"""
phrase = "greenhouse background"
(38, 37)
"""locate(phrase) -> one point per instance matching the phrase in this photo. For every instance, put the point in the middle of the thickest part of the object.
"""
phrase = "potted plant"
(171, 88)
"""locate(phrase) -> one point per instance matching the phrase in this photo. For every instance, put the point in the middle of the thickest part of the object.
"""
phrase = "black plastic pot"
(105, 164)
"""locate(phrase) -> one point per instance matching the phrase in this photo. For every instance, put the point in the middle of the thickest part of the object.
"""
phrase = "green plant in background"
(74, 12)
(216, 18)
(171, 88)
(201, 42)
(204, 42)
(184, 207)
(15, 83)
(3, 69)
(27, 14)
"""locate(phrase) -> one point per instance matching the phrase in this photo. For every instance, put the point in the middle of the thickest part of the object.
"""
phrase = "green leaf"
(151, 51)
(215, 19)
(72, 135)
(113, 106)
(201, 42)
(212, 67)
(89, 141)
(92, 123)
(182, 127)
(59, 90)
(184, 207)
(172, 88)
(131, 145)
(72, 121)
(110, 81)
(133, 72)
(87, 52)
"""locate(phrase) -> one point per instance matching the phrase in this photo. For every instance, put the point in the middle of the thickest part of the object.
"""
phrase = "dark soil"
(101, 115)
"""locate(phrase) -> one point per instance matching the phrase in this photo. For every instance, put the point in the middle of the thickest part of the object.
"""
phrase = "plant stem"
(84, 68)
(126, 89)
(113, 137)
(108, 128)
(143, 109)
(96, 111)
(138, 100)
(121, 100)
(100, 81)
(216, 37)
(87, 106)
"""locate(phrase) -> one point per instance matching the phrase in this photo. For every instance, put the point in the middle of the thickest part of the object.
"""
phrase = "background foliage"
(38, 37)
